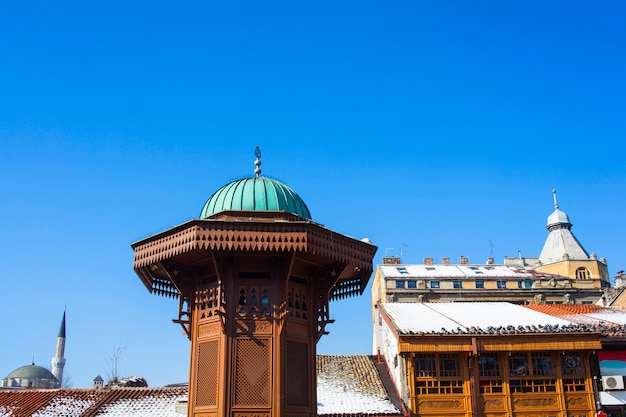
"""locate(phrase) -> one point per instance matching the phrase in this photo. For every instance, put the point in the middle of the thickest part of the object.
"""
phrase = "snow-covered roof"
(346, 386)
(349, 385)
(473, 318)
(118, 402)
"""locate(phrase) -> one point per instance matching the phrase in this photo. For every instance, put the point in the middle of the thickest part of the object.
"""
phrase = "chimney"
(445, 261)
(463, 260)
(489, 261)
(428, 261)
(394, 260)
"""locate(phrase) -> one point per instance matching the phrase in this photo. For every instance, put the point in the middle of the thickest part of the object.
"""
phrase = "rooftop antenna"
(257, 162)
(491, 249)
(387, 251)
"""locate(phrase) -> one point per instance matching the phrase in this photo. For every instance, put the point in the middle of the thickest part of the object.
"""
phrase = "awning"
(613, 397)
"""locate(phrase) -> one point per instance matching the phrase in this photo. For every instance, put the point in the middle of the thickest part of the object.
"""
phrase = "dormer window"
(402, 270)
(583, 273)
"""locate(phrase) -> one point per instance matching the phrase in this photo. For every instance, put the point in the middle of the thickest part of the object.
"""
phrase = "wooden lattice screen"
(208, 365)
(252, 372)
(297, 374)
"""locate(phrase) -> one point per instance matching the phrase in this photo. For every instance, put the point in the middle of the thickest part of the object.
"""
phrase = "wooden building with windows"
(487, 359)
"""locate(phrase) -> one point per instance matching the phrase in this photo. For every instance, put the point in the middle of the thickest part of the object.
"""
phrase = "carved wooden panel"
(441, 404)
(540, 400)
(252, 371)
(210, 329)
(253, 327)
(494, 403)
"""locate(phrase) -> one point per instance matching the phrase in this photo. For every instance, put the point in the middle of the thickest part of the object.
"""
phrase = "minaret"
(58, 361)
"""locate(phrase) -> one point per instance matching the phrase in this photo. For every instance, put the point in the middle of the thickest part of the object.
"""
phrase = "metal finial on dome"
(257, 162)
(556, 205)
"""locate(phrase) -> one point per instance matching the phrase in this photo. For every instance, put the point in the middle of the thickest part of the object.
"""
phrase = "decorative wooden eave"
(498, 343)
(255, 235)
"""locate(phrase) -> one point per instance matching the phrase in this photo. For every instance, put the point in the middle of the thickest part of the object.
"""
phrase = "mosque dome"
(255, 194)
(31, 372)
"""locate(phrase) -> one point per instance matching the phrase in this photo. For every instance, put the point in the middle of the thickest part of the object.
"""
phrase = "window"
(524, 283)
(531, 372)
(480, 284)
(488, 364)
(402, 270)
(434, 284)
(399, 284)
(518, 365)
(490, 379)
(438, 373)
(542, 364)
(449, 365)
(583, 273)
(458, 284)
(501, 284)
(412, 284)
(426, 365)
(570, 363)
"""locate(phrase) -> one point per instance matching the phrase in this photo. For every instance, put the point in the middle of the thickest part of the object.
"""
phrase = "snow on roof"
(350, 385)
(471, 317)
(65, 406)
(613, 316)
(46, 402)
(162, 403)
(346, 386)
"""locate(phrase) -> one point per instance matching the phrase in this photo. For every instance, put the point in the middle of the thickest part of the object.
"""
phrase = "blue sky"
(437, 127)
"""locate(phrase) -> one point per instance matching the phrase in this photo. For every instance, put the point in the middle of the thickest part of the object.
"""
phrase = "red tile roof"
(567, 309)
(89, 402)
(347, 386)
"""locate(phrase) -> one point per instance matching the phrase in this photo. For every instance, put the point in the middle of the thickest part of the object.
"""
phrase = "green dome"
(255, 194)
(31, 372)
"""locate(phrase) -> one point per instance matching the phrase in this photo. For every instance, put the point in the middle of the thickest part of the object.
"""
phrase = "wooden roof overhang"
(498, 343)
(196, 242)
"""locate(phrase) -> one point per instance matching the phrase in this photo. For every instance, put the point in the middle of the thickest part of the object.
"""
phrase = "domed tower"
(563, 254)
(254, 276)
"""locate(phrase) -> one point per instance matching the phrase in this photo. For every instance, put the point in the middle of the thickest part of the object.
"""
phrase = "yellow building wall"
(598, 276)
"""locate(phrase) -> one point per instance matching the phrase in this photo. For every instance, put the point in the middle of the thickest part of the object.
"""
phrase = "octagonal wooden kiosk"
(253, 288)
